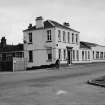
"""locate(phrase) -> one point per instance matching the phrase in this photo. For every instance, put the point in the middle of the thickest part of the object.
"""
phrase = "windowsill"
(49, 41)
(49, 60)
(64, 42)
(59, 41)
(30, 61)
(64, 60)
(30, 43)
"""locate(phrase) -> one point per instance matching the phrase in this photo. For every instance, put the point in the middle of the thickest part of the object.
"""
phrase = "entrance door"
(68, 56)
(69, 51)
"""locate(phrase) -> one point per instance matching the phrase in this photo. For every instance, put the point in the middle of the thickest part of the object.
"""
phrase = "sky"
(85, 16)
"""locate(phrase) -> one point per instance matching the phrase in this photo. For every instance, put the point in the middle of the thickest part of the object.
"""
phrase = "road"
(66, 86)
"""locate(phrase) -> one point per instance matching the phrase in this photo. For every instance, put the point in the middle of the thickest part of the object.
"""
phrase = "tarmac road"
(52, 87)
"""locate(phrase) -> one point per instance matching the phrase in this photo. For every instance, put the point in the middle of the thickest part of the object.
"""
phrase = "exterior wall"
(63, 45)
(39, 46)
(87, 58)
(98, 49)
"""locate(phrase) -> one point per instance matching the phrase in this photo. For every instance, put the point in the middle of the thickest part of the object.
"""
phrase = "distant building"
(8, 53)
(49, 40)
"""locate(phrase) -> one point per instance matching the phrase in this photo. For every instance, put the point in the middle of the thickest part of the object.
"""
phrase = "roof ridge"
(50, 22)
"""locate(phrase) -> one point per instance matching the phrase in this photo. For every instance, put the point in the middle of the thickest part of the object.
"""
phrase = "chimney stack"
(30, 26)
(39, 22)
(66, 24)
(3, 42)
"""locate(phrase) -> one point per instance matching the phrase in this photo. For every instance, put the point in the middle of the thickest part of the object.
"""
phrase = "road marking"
(60, 92)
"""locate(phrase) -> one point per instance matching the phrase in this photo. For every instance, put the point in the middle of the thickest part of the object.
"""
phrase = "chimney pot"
(30, 26)
(66, 24)
(39, 22)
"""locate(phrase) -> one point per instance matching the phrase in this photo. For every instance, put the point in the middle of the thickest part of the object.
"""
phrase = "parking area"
(66, 86)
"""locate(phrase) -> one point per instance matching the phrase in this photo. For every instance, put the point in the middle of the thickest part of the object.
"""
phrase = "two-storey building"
(48, 40)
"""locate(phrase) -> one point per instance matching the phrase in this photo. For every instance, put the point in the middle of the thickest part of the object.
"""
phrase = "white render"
(40, 44)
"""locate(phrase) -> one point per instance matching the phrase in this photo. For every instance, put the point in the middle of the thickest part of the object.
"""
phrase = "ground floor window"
(97, 55)
(82, 55)
(88, 55)
(64, 54)
(104, 55)
(59, 53)
(77, 55)
(101, 55)
(30, 56)
(93, 54)
(49, 52)
(73, 54)
(85, 55)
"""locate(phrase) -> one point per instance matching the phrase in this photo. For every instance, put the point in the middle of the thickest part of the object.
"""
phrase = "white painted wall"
(99, 49)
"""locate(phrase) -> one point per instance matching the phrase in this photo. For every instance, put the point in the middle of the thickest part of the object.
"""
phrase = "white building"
(48, 40)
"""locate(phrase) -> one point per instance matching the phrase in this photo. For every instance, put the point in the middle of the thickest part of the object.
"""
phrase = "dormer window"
(30, 37)
(48, 35)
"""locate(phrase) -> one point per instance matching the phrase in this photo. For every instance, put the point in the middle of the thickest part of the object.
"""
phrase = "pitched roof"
(87, 44)
(9, 48)
(84, 45)
(50, 24)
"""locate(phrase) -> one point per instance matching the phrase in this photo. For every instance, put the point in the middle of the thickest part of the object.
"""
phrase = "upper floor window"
(64, 36)
(72, 37)
(59, 35)
(30, 37)
(68, 37)
(77, 38)
(48, 35)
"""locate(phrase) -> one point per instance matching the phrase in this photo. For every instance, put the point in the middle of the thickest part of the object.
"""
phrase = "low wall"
(19, 64)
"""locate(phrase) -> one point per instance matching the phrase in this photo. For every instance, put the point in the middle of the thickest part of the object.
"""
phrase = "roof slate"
(50, 24)
(9, 48)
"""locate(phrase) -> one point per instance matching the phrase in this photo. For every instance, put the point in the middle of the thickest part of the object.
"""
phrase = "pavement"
(66, 86)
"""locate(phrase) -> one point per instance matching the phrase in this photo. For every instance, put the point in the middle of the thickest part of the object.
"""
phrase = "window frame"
(64, 36)
(30, 56)
(49, 54)
(30, 37)
(59, 35)
(49, 38)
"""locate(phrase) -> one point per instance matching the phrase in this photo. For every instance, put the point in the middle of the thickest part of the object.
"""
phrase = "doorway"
(69, 55)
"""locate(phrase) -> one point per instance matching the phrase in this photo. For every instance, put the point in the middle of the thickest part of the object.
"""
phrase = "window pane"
(64, 37)
(49, 35)
(30, 56)
(72, 37)
(30, 37)
(49, 52)
(68, 37)
(59, 35)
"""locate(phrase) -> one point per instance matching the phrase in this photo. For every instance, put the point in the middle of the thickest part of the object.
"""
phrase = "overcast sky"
(86, 16)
